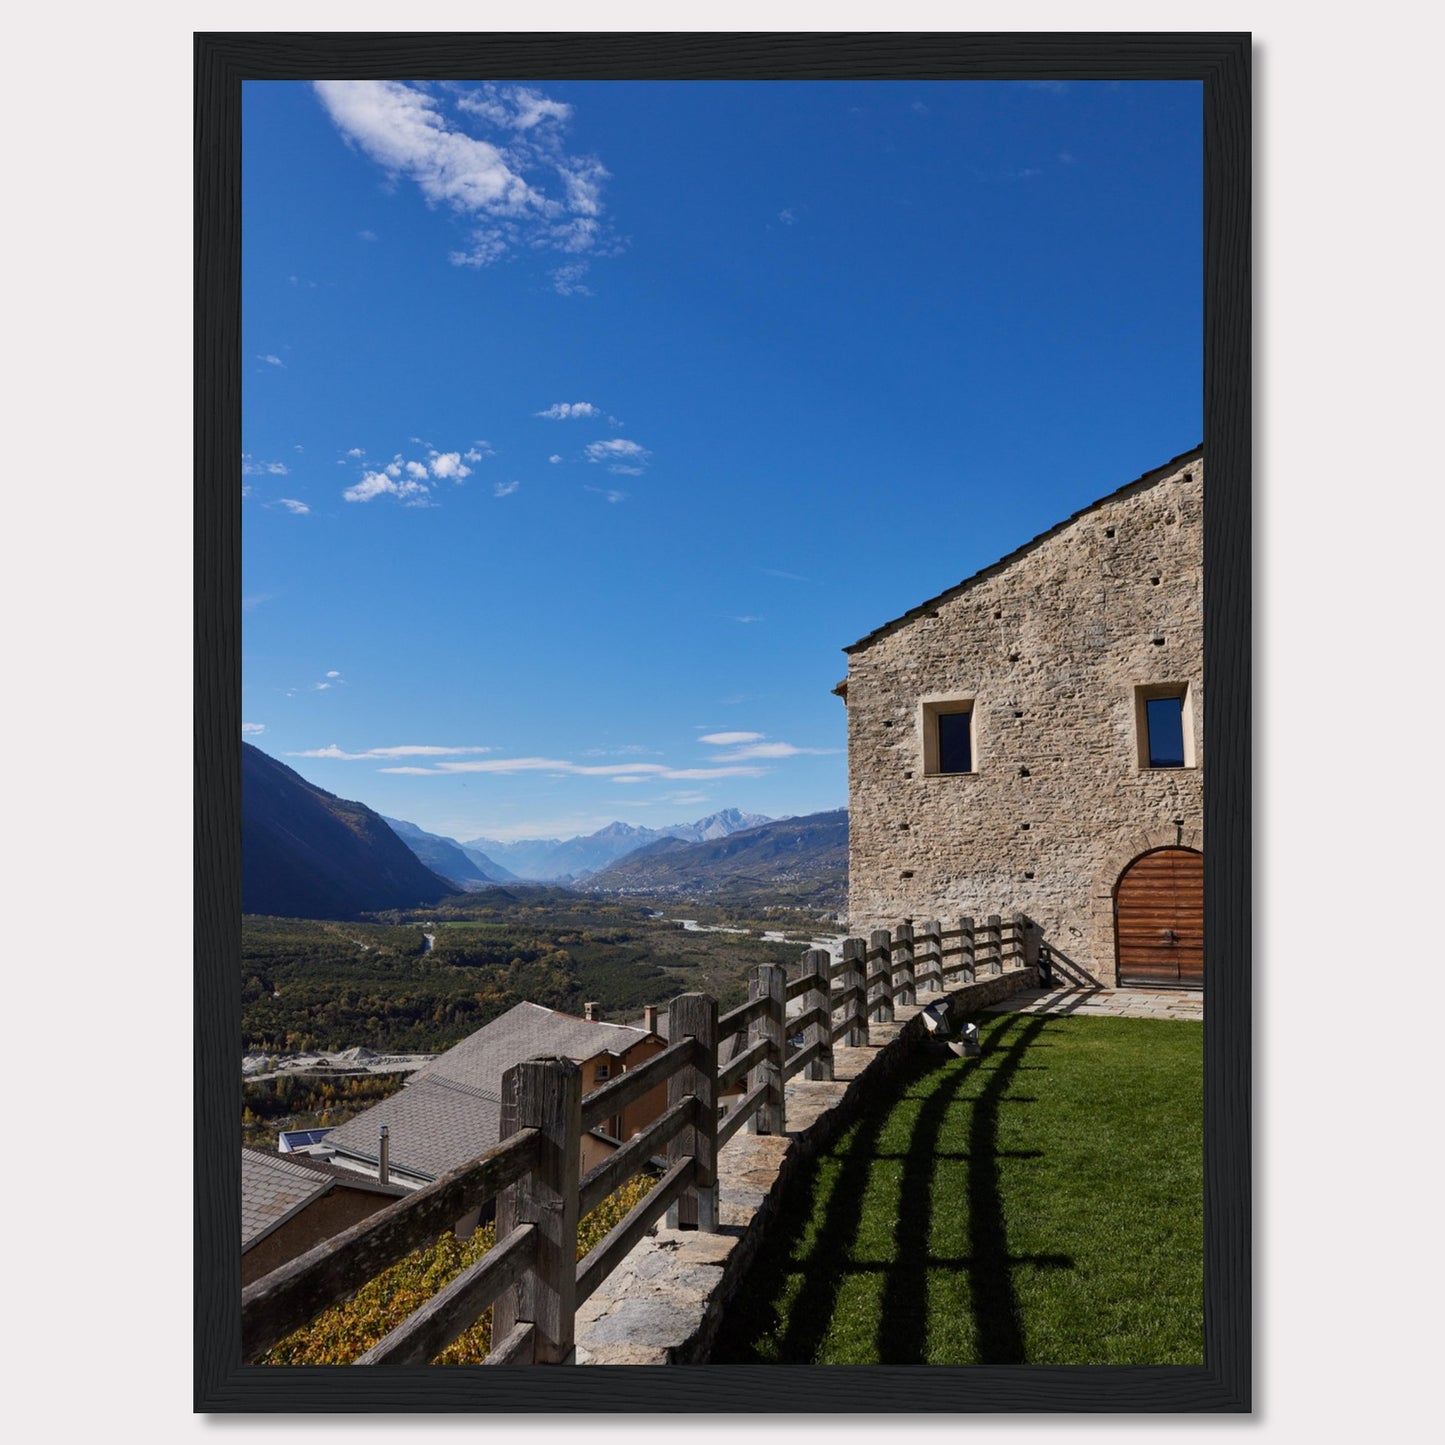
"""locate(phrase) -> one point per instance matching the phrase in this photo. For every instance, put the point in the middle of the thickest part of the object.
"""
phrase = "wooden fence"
(531, 1277)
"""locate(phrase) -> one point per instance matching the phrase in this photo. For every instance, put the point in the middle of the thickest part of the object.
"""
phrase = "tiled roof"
(450, 1111)
(433, 1125)
(276, 1186)
(1149, 477)
(527, 1031)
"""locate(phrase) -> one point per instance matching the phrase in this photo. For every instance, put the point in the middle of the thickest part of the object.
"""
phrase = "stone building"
(1033, 739)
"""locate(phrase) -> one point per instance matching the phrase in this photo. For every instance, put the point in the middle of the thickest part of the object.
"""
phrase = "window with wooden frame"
(949, 744)
(1164, 725)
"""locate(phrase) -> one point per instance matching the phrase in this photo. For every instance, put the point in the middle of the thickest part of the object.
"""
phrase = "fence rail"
(531, 1278)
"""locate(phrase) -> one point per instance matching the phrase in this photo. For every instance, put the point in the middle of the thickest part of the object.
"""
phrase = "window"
(1163, 716)
(601, 1072)
(948, 741)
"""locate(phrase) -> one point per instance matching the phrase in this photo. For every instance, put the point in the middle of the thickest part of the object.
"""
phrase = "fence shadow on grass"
(829, 1257)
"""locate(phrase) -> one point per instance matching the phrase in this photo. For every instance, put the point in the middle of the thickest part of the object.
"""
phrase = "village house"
(1032, 740)
(288, 1205)
(449, 1112)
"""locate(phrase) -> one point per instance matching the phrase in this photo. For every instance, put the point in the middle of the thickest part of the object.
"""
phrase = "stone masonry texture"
(1050, 646)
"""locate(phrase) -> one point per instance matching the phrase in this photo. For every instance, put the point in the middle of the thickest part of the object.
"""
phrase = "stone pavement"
(1122, 1003)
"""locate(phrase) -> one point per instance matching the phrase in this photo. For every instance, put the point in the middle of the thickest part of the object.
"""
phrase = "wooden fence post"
(855, 975)
(965, 949)
(1015, 953)
(879, 965)
(991, 944)
(932, 967)
(769, 981)
(815, 968)
(694, 1015)
(544, 1094)
(904, 987)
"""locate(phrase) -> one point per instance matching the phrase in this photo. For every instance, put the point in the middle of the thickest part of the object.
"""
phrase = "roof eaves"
(1153, 475)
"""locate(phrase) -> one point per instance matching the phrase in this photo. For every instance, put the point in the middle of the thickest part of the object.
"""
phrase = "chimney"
(592, 1012)
(649, 1017)
(383, 1173)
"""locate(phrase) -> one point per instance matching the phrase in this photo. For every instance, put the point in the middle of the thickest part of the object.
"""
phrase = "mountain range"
(569, 860)
(798, 862)
(465, 866)
(305, 853)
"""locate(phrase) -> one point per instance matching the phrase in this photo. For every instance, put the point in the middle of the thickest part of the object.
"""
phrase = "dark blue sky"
(609, 413)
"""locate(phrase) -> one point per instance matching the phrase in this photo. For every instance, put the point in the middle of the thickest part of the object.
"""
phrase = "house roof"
(433, 1125)
(274, 1187)
(526, 1031)
(450, 1111)
(1148, 479)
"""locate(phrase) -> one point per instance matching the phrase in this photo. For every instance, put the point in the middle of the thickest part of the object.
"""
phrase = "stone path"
(1126, 1003)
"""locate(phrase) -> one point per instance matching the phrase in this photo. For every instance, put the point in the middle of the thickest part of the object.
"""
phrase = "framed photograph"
(571, 411)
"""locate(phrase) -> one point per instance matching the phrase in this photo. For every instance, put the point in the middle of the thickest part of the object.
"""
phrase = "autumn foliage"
(341, 1335)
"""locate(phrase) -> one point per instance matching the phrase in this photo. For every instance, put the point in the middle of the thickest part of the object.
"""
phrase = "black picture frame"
(1222, 62)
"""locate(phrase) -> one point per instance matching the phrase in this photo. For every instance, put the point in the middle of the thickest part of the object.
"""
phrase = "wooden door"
(1159, 920)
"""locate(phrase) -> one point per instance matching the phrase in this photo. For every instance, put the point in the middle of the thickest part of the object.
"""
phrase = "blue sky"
(586, 423)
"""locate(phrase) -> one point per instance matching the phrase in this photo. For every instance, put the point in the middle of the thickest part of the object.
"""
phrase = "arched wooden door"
(1159, 919)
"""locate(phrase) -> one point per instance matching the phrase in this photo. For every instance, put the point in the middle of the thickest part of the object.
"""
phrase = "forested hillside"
(305, 853)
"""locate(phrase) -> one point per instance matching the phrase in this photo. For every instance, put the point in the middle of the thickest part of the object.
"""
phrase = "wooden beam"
(546, 1095)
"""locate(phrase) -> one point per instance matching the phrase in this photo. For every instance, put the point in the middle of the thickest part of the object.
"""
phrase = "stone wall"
(1050, 646)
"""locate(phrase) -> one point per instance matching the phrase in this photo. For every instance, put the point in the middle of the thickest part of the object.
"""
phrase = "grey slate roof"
(526, 1031)
(434, 1125)
(1149, 477)
(450, 1112)
(276, 1186)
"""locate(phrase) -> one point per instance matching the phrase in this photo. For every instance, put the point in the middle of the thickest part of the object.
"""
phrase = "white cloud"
(610, 493)
(522, 189)
(505, 489)
(252, 729)
(367, 235)
(406, 478)
(514, 107)
(250, 467)
(626, 471)
(291, 504)
(563, 768)
(772, 750)
(271, 360)
(619, 449)
(379, 484)
(787, 217)
(554, 459)
(749, 618)
(477, 451)
(567, 280)
(333, 674)
(448, 465)
(400, 127)
(406, 750)
(566, 410)
(746, 747)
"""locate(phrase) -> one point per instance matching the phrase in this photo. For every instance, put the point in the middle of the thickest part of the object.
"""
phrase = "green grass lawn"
(1042, 1204)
